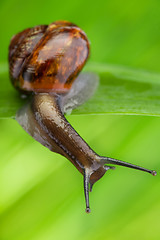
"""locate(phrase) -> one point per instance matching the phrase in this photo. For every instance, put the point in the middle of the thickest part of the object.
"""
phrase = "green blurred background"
(41, 193)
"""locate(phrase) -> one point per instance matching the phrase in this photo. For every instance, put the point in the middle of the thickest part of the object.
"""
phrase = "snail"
(45, 62)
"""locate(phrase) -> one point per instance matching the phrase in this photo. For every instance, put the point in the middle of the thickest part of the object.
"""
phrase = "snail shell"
(48, 58)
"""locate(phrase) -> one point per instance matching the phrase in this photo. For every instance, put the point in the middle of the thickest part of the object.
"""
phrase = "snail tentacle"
(86, 189)
(108, 160)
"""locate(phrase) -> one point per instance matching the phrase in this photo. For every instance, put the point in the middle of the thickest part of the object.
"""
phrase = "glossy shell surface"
(47, 58)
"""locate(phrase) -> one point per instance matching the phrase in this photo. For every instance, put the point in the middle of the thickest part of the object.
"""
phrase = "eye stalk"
(46, 60)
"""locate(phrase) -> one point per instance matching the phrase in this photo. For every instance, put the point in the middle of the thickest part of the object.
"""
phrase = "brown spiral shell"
(47, 58)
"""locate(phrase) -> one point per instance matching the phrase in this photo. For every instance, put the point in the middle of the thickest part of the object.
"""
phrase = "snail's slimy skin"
(43, 119)
(46, 61)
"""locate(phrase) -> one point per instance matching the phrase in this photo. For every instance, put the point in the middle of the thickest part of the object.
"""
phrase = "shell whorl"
(47, 58)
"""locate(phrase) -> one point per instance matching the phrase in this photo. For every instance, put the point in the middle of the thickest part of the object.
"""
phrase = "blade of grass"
(122, 90)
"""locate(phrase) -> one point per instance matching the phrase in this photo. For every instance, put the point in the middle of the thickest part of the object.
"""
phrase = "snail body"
(45, 61)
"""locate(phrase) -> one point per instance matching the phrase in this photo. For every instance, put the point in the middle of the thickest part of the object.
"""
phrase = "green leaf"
(10, 100)
(122, 90)
(41, 193)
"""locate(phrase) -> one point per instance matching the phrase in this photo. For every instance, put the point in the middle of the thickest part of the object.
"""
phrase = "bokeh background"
(41, 193)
